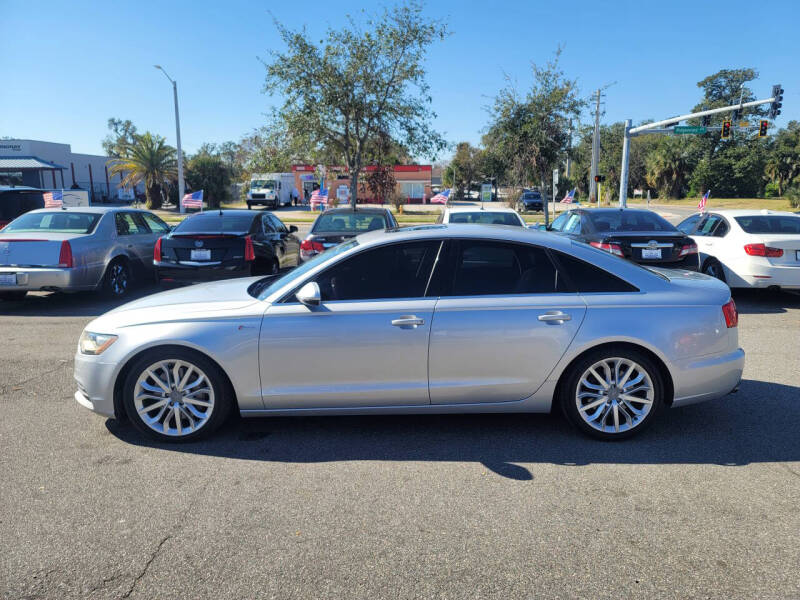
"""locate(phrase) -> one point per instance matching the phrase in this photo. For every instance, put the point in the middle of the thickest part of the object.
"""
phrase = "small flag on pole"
(704, 201)
(319, 199)
(54, 199)
(568, 199)
(441, 197)
(193, 200)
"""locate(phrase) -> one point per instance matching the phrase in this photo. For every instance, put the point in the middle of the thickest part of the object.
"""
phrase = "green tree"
(208, 172)
(669, 166)
(122, 133)
(783, 162)
(360, 81)
(530, 130)
(464, 168)
(148, 160)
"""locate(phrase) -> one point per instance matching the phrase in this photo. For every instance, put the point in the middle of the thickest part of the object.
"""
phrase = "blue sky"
(69, 66)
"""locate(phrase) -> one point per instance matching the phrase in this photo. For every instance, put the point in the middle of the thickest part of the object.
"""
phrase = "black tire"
(714, 268)
(249, 206)
(118, 279)
(569, 396)
(222, 398)
(13, 296)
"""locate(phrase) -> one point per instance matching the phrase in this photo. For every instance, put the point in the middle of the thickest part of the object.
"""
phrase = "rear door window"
(155, 224)
(128, 225)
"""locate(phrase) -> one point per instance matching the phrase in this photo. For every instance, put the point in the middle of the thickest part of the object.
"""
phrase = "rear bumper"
(45, 278)
(763, 276)
(707, 378)
(690, 262)
(183, 273)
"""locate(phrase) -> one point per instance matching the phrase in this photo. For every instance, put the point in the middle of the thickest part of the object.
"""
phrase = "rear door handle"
(408, 322)
(555, 316)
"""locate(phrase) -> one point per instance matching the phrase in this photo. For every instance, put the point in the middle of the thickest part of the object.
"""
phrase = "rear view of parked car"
(77, 249)
(748, 248)
(224, 244)
(478, 216)
(638, 235)
(339, 224)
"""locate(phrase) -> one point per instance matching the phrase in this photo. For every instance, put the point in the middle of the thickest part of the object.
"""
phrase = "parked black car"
(338, 224)
(638, 235)
(224, 244)
(531, 201)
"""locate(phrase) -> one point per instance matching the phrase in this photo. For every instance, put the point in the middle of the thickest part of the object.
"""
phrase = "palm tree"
(668, 167)
(149, 160)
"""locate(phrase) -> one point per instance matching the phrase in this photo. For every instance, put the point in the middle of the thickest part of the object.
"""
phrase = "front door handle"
(555, 316)
(408, 322)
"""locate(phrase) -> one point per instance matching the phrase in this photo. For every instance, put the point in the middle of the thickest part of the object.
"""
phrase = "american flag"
(704, 201)
(441, 197)
(319, 198)
(193, 200)
(569, 197)
(53, 199)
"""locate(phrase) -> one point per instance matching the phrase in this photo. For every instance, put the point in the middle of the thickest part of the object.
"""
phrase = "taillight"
(157, 251)
(249, 250)
(65, 256)
(688, 249)
(615, 249)
(762, 250)
(308, 247)
(731, 314)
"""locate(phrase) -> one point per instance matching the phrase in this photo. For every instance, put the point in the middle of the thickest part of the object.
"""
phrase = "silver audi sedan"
(434, 319)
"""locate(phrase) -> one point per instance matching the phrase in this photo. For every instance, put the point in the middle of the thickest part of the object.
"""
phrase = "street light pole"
(178, 136)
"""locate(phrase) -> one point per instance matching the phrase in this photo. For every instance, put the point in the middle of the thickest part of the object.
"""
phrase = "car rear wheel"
(613, 393)
(13, 296)
(117, 280)
(714, 268)
(176, 394)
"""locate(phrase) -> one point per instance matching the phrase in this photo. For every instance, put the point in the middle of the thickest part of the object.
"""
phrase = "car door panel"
(497, 348)
(345, 354)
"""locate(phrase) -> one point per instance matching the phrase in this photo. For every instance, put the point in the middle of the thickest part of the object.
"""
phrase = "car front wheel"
(613, 394)
(176, 394)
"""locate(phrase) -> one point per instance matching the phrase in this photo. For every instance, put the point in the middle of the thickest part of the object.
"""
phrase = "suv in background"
(531, 200)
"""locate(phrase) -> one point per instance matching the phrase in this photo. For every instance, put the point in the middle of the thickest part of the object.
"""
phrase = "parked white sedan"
(496, 215)
(748, 248)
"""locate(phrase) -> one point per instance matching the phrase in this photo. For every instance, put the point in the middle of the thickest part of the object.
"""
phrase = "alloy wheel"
(614, 395)
(118, 279)
(173, 397)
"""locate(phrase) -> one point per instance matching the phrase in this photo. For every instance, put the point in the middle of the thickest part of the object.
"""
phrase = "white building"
(49, 165)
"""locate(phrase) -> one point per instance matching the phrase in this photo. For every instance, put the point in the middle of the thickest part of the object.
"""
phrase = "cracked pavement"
(704, 504)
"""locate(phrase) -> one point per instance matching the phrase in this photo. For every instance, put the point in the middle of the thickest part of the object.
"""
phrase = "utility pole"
(569, 150)
(178, 135)
(595, 149)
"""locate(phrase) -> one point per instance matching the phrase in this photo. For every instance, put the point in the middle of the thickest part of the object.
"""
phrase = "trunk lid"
(650, 247)
(203, 247)
(329, 238)
(789, 243)
(32, 249)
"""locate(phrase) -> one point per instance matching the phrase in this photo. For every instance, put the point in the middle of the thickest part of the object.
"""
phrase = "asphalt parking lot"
(704, 504)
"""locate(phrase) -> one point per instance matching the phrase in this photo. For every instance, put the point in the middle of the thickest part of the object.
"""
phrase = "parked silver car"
(75, 249)
(432, 319)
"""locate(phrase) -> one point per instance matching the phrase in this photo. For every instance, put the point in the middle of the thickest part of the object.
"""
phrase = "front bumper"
(183, 273)
(95, 381)
(32, 279)
(707, 378)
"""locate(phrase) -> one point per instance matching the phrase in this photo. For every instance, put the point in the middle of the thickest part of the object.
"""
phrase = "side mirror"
(309, 294)
(292, 228)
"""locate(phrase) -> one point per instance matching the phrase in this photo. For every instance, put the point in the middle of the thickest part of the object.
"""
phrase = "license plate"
(201, 254)
(8, 279)
(649, 253)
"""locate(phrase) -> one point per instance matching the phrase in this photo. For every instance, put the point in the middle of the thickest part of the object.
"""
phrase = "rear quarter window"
(588, 278)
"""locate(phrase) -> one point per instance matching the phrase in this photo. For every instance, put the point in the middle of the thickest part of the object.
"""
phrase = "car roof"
(368, 210)
(512, 233)
(92, 209)
(749, 212)
(607, 210)
(458, 209)
(228, 212)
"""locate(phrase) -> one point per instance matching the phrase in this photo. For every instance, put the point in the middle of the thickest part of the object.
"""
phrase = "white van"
(272, 190)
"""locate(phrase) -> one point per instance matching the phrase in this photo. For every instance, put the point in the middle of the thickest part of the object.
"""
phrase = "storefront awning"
(8, 163)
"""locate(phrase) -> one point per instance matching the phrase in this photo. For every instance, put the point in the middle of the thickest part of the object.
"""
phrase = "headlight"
(95, 343)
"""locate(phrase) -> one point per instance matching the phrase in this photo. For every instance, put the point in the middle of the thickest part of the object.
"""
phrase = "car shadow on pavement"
(760, 302)
(81, 304)
(760, 423)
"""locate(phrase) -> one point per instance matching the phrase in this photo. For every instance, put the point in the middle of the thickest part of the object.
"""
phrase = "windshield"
(262, 184)
(214, 223)
(349, 222)
(531, 196)
(263, 288)
(54, 222)
(770, 224)
(629, 220)
(485, 218)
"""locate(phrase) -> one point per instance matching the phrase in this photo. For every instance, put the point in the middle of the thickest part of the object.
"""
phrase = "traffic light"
(599, 178)
(726, 130)
(775, 107)
(706, 120)
(762, 128)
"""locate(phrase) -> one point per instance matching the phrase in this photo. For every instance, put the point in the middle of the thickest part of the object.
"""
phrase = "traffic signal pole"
(657, 127)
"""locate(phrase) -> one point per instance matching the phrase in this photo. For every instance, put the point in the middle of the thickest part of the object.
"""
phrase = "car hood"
(214, 300)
